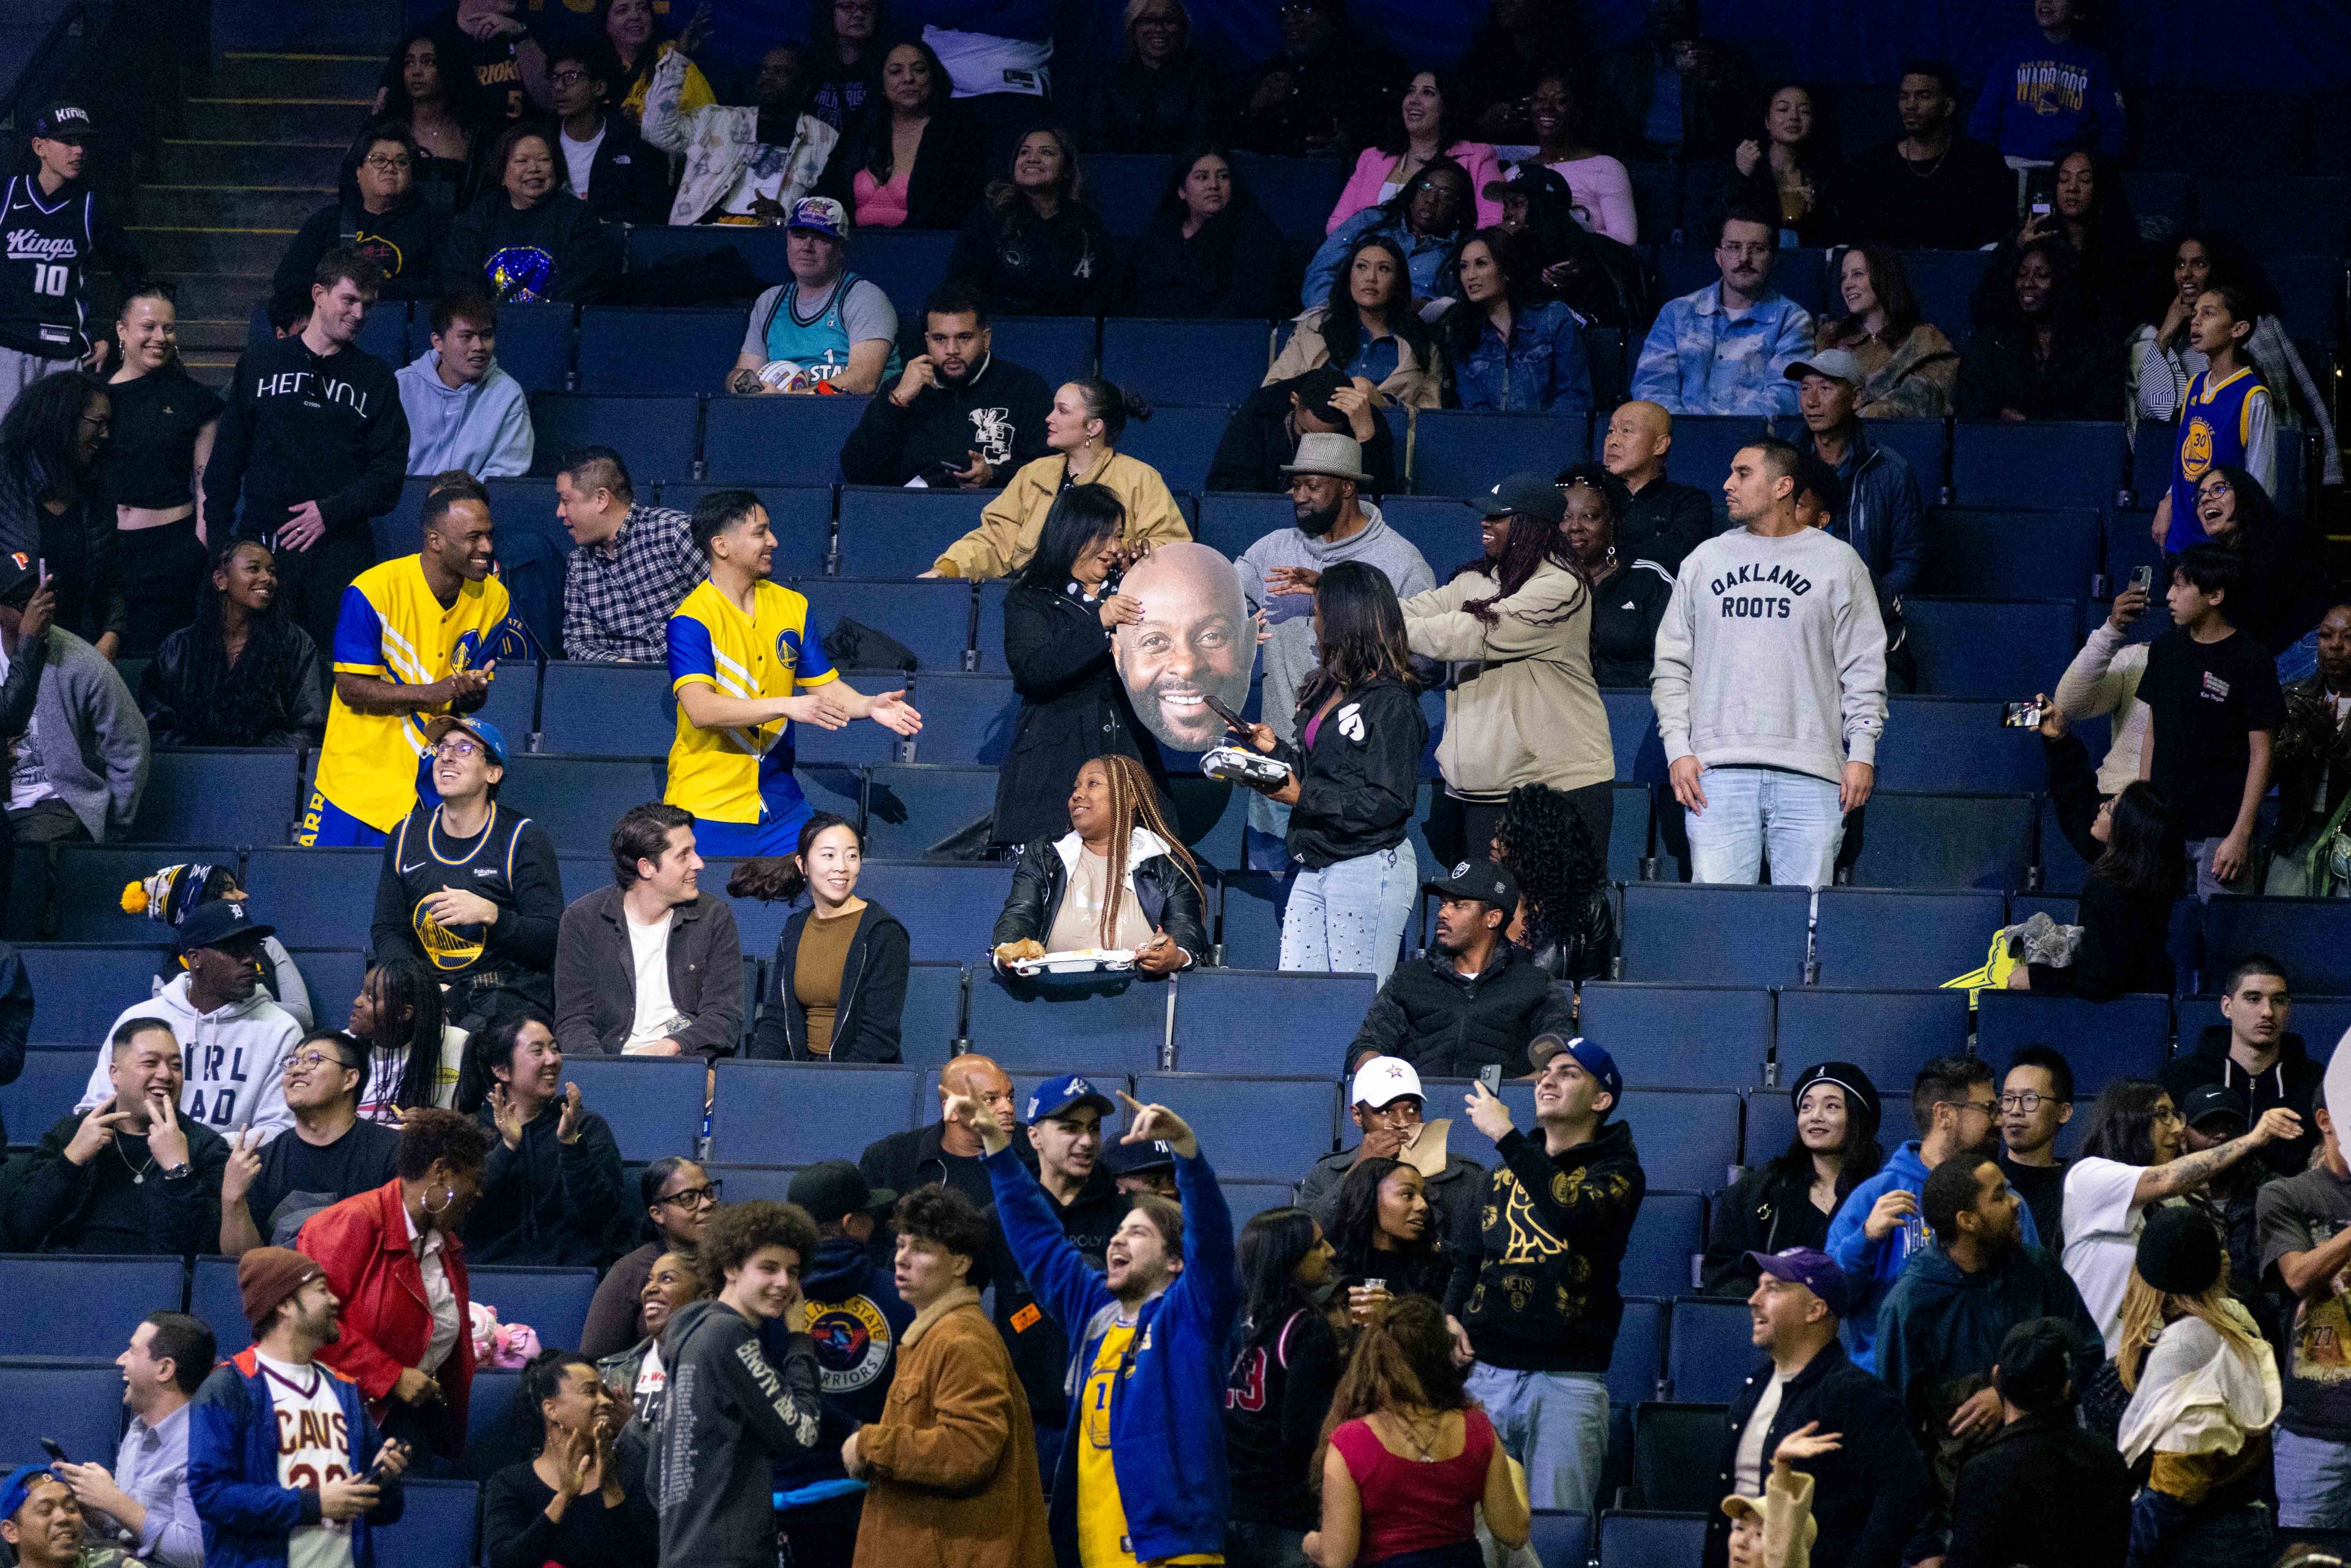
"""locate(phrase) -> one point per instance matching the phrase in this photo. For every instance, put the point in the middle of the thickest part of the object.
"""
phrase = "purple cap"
(1816, 1272)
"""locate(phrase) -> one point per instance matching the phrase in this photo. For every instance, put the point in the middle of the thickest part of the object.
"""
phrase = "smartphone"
(1222, 712)
(49, 1447)
(2020, 716)
(2041, 192)
(2143, 579)
(1490, 1075)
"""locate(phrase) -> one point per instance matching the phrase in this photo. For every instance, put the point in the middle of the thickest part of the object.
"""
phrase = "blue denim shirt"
(1698, 359)
(1430, 261)
(1543, 367)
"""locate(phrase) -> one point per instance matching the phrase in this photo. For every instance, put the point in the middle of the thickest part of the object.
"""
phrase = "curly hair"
(1549, 849)
(1403, 1361)
(429, 1133)
(945, 1217)
(739, 1229)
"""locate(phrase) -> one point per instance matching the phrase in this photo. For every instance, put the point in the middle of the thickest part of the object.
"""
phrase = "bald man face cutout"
(1196, 639)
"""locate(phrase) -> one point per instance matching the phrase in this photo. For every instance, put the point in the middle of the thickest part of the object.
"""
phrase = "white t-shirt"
(439, 1295)
(1747, 1469)
(649, 954)
(2102, 1227)
(314, 1446)
(760, 179)
(581, 158)
(652, 1381)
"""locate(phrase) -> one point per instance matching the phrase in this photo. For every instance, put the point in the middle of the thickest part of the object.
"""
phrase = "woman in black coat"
(1120, 879)
(1789, 1200)
(912, 118)
(1034, 246)
(1210, 251)
(844, 1004)
(526, 238)
(1058, 623)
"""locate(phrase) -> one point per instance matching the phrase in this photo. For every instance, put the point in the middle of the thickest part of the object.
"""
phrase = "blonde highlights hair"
(1135, 803)
(2147, 1311)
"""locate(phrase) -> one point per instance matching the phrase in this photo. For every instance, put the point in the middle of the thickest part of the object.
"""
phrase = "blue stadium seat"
(90, 879)
(654, 1106)
(1211, 817)
(1444, 528)
(2154, 447)
(1688, 1138)
(1656, 199)
(2320, 1021)
(1667, 1233)
(1058, 348)
(1676, 1449)
(1610, 359)
(1709, 1349)
(1632, 732)
(909, 265)
(1179, 363)
(1269, 1129)
(1298, 193)
(2040, 463)
(796, 1113)
(2161, 193)
(1221, 1015)
(78, 1404)
(1991, 647)
(791, 439)
(2310, 296)
(2310, 937)
(1770, 1122)
(1651, 1539)
(1640, 1355)
(1880, 936)
(799, 515)
(512, 703)
(1117, 1025)
(2128, 1036)
(1630, 831)
(435, 1528)
(1696, 1036)
(949, 907)
(534, 344)
(671, 352)
(747, 1183)
(1982, 553)
(552, 1300)
(762, 249)
(1888, 1034)
(987, 641)
(494, 1424)
(321, 896)
(1915, 839)
(655, 436)
(212, 1296)
(334, 976)
(1248, 1199)
(932, 619)
(932, 1019)
(1956, 742)
(1251, 931)
(916, 810)
(1125, 188)
(1462, 452)
(1684, 934)
(1232, 523)
(78, 991)
(578, 798)
(1705, 445)
(895, 532)
(1560, 1537)
(606, 710)
(218, 795)
(44, 1091)
(2279, 214)
(29, 893)
(109, 1296)
(385, 332)
(1180, 442)
(1943, 281)
(1925, 444)
(966, 719)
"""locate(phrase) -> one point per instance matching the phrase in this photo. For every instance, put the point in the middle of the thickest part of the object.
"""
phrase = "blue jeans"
(2167, 1534)
(1749, 809)
(1553, 1423)
(1349, 917)
(2313, 1481)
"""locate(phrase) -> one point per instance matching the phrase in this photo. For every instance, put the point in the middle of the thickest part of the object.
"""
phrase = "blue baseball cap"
(1815, 1270)
(1589, 1057)
(19, 1486)
(493, 738)
(1055, 1095)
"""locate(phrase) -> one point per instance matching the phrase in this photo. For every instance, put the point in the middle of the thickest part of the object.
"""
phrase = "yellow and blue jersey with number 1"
(392, 627)
(737, 783)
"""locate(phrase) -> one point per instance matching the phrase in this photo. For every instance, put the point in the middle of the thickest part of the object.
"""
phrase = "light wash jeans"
(1748, 808)
(1553, 1423)
(2313, 1481)
(1349, 917)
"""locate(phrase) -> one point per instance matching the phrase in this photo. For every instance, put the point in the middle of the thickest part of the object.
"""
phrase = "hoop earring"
(449, 1195)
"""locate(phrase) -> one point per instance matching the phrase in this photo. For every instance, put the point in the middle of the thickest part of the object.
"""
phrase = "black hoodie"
(405, 240)
(1536, 1287)
(856, 1319)
(301, 427)
(1040, 266)
(2292, 1081)
(997, 410)
(555, 250)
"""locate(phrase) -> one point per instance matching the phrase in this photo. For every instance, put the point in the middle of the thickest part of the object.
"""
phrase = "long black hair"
(1342, 328)
(1179, 169)
(1514, 255)
(824, 44)
(2230, 264)
(1363, 633)
(1355, 1220)
(458, 88)
(1549, 849)
(2067, 313)
(2143, 846)
(490, 1048)
(1530, 544)
(41, 438)
(774, 879)
(1860, 1156)
(409, 1016)
(875, 133)
(1271, 1246)
(2122, 1123)
(1079, 515)
(1452, 114)
(243, 704)
(1010, 204)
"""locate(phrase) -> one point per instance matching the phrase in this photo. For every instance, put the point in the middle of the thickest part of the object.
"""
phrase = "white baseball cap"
(1383, 1079)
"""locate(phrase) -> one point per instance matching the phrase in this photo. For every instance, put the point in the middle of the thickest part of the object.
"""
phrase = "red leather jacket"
(362, 1244)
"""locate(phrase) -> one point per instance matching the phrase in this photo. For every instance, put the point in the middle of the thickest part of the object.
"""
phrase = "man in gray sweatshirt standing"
(76, 743)
(1278, 574)
(1770, 683)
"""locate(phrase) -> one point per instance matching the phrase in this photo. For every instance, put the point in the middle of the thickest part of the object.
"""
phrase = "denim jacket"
(1428, 258)
(1541, 367)
(1698, 361)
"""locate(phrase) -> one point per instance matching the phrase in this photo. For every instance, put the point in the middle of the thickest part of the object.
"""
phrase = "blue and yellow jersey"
(2216, 430)
(392, 627)
(741, 775)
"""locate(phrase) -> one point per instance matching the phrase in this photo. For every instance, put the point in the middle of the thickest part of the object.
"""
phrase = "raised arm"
(2191, 1172)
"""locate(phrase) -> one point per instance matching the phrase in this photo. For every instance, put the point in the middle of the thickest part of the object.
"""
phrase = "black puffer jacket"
(1448, 1026)
(872, 994)
(1168, 895)
(1073, 708)
(1355, 788)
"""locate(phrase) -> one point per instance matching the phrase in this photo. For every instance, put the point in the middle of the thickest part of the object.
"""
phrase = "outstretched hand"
(1156, 1123)
(1806, 1442)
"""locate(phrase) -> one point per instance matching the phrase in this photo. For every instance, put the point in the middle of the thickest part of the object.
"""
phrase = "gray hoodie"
(92, 738)
(1772, 654)
(728, 1416)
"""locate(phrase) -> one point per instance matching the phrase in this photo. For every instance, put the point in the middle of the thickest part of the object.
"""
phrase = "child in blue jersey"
(828, 329)
(746, 661)
(2225, 420)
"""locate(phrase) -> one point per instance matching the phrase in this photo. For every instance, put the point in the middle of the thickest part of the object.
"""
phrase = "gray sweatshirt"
(729, 1415)
(1772, 654)
(1291, 657)
(90, 737)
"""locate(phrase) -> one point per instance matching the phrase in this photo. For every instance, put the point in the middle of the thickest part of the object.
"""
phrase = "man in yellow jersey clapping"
(409, 648)
(748, 662)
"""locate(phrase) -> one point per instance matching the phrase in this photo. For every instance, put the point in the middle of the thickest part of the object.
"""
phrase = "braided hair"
(244, 705)
(1134, 801)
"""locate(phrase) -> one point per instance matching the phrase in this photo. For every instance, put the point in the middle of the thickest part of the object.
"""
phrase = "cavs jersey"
(2220, 427)
(47, 245)
(742, 775)
(394, 628)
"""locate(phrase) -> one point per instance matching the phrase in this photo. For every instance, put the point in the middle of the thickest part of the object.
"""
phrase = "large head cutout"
(1196, 639)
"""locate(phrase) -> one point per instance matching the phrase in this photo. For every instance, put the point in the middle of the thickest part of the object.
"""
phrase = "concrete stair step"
(315, 119)
(235, 162)
(243, 75)
(205, 335)
(174, 251)
(307, 26)
(213, 371)
(230, 206)
(223, 296)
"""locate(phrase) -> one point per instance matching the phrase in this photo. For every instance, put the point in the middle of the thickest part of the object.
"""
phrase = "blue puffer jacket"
(1872, 1267)
(232, 1469)
(1167, 1422)
(1542, 368)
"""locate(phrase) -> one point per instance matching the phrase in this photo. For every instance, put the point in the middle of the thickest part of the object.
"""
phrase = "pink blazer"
(1371, 170)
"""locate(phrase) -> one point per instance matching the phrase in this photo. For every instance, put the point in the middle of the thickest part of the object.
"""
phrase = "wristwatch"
(180, 1172)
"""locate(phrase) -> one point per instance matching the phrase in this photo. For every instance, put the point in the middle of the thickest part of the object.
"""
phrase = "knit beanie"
(170, 894)
(2179, 1251)
(268, 1276)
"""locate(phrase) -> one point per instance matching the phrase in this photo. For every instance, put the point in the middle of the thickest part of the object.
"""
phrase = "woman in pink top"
(1603, 191)
(1425, 129)
(1409, 1459)
(913, 160)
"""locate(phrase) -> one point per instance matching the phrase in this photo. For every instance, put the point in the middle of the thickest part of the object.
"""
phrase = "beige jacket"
(1411, 383)
(1522, 707)
(1013, 522)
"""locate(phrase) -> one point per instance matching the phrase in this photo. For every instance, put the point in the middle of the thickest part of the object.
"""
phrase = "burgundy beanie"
(268, 1276)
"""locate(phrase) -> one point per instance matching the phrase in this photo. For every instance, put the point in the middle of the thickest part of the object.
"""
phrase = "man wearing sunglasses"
(328, 1154)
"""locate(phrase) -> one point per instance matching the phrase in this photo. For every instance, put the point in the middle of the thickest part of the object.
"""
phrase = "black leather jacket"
(1169, 894)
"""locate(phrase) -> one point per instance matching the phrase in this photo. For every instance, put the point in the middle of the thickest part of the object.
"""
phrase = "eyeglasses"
(1981, 1107)
(313, 1060)
(396, 164)
(569, 79)
(2027, 1100)
(692, 1196)
(455, 751)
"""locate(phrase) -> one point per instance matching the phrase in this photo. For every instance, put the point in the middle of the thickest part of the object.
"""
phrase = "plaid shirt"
(618, 595)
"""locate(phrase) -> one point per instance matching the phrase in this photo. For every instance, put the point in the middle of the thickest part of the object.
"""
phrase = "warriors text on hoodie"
(234, 1057)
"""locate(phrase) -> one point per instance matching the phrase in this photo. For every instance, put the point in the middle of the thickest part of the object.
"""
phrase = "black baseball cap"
(19, 575)
(1133, 1159)
(830, 1189)
(221, 923)
(1526, 494)
(2208, 1100)
(1489, 880)
(1528, 179)
(65, 121)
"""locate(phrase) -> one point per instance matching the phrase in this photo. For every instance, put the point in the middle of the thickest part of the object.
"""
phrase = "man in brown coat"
(951, 1467)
